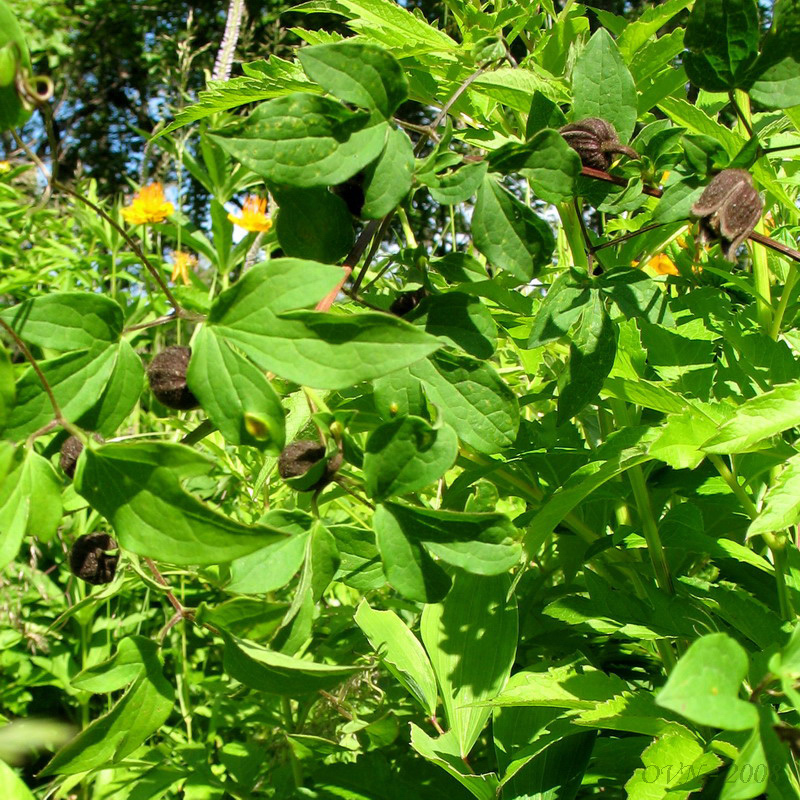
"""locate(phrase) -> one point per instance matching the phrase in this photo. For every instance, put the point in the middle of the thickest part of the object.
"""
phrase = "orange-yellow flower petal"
(662, 265)
(181, 264)
(5, 166)
(148, 205)
(254, 215)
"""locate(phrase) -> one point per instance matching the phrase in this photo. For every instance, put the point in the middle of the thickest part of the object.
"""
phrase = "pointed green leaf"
(704, 686)
(141, 711)
(471, 639)
(137, 488)
(510, 234)
(781, 506)
(758, 419)
(407, 454)
(472, 398)
(313, 224)
(66, 320)
(305, 140)
(603, 87)
(388, 180)
(401, 652)
(324, 350)
(276, 673)
(235, 394)
(360, 73)
(722, 37)
(591, 357)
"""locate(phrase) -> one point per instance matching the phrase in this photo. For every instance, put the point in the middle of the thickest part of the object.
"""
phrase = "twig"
(152, 324)
(653, 191)
(176, 604)
(38, 370)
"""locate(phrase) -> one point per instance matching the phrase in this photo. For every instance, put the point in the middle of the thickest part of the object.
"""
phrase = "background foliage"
(559, 556)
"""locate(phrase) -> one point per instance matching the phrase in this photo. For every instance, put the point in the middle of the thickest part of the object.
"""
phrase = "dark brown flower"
(729, 209)
(90, 561)
(71, 449)
(167, 376)
(306, 459)
(595, 141)
(406, 302)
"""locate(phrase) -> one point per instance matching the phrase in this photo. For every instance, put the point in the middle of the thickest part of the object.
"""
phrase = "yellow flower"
(181, 264)
(254, 215)
(148, 205)
(662, 265)
(5, 166)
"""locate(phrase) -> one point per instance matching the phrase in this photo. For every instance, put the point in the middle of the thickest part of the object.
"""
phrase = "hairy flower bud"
(729, 209)
(305, 466)
(595, 141)
(167, 376)
(89, 561)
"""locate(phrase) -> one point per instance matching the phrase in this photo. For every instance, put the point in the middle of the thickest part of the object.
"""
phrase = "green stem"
(739, 490)
(777, 320)
(411, 240)
(571, 226)
(644, 508)
(297, 772)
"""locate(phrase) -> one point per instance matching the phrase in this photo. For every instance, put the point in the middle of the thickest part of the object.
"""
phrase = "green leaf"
(401, 652)
(751, 755)
(543, 113)
(483, 544)
(65, 321)
(137, 488)
(324, 350)
(235, 394)
(461, 320)
(8, 390)
(704, 686)
(781, 506)
(757, 419)
(272, 567)
(472, 398)
(562, 306)
(674, 760)
(388, 179)
(509, 233)
(313, 224)
(676, 202)
(546, 160)
(360, 565)
(407, 565)
(471, 639)
(303, 140)
(11, 785)
(682, 437)
(357, 72)
(131, 658)
(407, 454)
(276, 673)
(722, 36)
(603, 87)
(272, 77)
(638, 295)
(77, 380)
(457, 186)
(591, 357)
(141, 711)
(444, 751)
(30, 500)
(120, 395)
(622, 451)
(777, 70)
